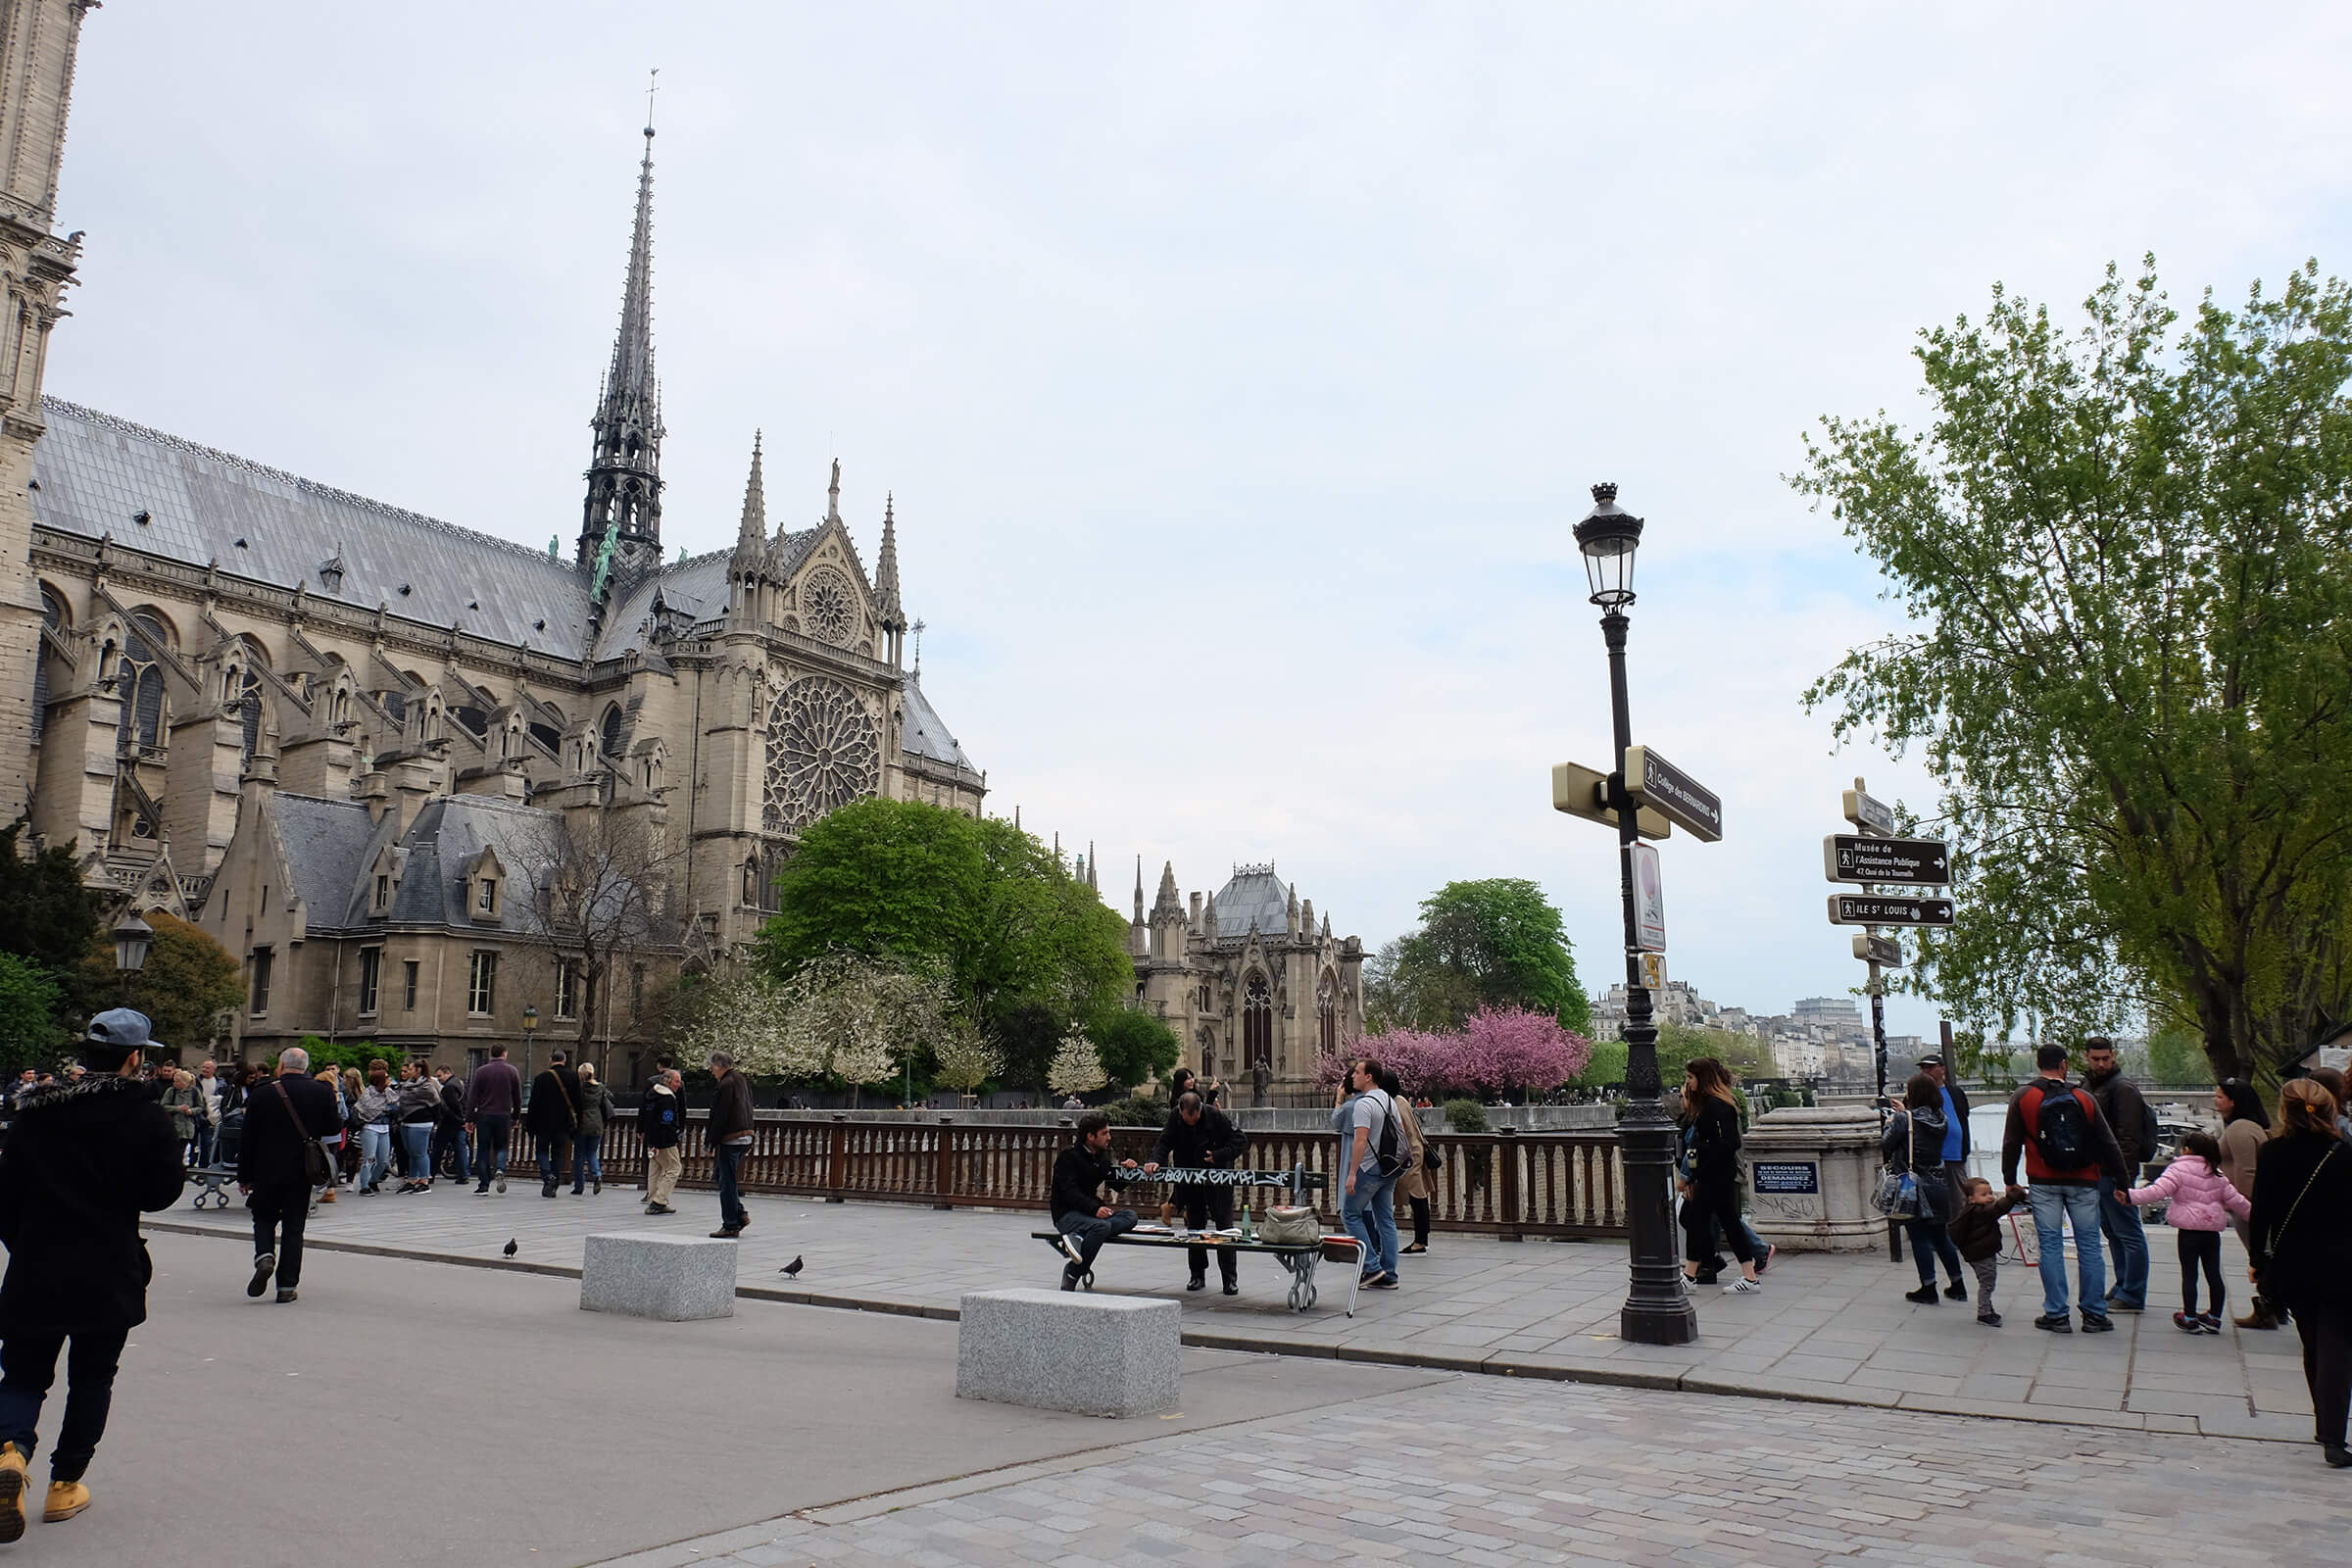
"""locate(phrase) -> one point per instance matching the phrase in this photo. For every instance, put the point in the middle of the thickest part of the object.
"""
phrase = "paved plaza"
(1825, 1328)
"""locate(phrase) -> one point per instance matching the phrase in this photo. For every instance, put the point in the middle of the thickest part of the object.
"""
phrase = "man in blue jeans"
(2126, 1112)
(1367, 1199)
(2066, 1146)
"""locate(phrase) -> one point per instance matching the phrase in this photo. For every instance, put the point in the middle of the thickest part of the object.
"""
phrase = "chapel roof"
(925, 733)
(1255, 899)
(328, 846)
(94, 474)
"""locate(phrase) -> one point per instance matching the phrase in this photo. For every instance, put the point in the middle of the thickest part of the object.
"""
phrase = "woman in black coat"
(1914, 1142)
(82, 1161)
(1711, 1195)
(2300, 1236)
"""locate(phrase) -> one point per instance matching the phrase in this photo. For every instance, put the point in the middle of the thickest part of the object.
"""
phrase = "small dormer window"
(383, 891)
(486, 901)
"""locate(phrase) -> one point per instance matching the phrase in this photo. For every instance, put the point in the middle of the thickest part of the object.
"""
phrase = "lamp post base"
(1657, 1310)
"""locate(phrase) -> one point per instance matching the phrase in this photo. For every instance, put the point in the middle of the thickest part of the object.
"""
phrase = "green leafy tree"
(1496, 943)
(46, 914)
(1029, 950)
(2176, 1056)
(1605, 1066)
(1135, 1046)
(1745, 1054)
(2127, 556)
(340, 1053)
(29, 1033)
(188, 979)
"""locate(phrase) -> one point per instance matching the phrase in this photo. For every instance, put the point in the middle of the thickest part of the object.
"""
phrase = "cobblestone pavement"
(1825, 1327)
(1482, 1470)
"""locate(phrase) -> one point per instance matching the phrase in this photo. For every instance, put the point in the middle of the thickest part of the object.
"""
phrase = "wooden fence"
(1508, 1183)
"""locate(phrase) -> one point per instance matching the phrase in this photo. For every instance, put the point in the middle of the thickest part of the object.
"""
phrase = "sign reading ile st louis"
(1862, 908)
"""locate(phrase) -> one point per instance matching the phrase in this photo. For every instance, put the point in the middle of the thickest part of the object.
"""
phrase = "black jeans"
(492, 1153)
(2200, 1248)
(552, 1147)
(1203, 1206)
(1708, 1204)
(278, 1215)
(2327, 1331)
(1420, 1220)
(28, 1365)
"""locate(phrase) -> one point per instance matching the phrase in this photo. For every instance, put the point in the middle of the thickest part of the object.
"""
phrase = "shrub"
(1465, 1116)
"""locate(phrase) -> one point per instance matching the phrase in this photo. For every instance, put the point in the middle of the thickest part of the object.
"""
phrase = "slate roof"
(925, 733)
(330, 846)
(450, 830)
(1253, 901)
(96, 473)
(696, 588)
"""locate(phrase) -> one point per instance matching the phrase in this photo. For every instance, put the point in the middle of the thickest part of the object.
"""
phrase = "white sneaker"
(1742, 1287)
(1069, 1245)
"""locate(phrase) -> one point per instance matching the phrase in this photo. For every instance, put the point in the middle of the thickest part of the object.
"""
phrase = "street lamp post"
(132, 937)
(530, 1031)
(1656, 1309)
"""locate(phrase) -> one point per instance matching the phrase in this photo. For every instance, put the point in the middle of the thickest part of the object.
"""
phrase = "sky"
(1239, 371)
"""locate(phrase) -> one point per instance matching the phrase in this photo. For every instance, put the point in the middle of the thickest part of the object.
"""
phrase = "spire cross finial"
(653, 84)
(919, 647)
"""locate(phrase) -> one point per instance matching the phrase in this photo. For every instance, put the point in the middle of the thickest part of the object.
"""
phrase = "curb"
(1552, 1370)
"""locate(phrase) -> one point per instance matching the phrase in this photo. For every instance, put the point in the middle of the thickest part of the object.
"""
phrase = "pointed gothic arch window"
(609, 731)
(55, 620)
(139, 683)
(1257, 1024)
(1327, 1015)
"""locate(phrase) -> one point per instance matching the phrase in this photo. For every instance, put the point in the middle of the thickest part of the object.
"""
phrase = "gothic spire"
(886, 568)
(751, 539)
(1139, 890)
(833, 495)
(624, 473)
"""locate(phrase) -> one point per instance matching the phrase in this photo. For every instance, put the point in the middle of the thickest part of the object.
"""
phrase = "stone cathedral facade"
(326, 728)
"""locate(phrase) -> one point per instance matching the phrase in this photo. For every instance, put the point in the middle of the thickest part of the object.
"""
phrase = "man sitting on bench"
(1198, 1137)
(1085, 1222)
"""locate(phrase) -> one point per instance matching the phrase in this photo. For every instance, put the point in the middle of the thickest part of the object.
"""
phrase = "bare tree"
(601, 911)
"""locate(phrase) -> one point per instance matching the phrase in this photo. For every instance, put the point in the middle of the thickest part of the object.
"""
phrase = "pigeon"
(510, 1249)
(792, 1268)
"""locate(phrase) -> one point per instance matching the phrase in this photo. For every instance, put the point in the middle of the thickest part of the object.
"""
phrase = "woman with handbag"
(1913, 1143)
(2301, 1246)
(1711, 1193)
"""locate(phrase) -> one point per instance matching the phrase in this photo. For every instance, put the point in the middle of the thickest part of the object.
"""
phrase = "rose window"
(828, 605)
(824, 752)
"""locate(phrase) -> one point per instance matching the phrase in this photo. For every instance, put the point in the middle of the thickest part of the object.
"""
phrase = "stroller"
(212, 1181)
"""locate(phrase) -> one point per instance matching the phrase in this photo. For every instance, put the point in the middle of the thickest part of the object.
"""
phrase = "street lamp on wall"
(1656, 1310)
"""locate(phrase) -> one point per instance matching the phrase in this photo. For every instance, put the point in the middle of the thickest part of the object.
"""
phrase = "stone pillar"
(1810, 1174)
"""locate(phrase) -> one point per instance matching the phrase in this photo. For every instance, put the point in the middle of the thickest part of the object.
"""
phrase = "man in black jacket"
(552, 1114)
(1198, 1137)
(2127, 1112)
(1085, 1222)
(449, 1134)
(282, 1116)
(661, 1123)
(82, 1163)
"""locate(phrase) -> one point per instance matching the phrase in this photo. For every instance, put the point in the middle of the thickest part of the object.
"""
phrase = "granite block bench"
(673, 1278)
(1060, 1351)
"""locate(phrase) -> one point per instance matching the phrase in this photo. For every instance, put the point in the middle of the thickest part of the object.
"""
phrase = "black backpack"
(2061, 1131)
(1385, 1153)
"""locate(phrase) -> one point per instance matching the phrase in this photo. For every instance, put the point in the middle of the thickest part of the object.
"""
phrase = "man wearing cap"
(82, 1163)
(1957, 1140)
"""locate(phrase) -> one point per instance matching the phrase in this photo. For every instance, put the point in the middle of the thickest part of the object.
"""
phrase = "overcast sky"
(1240, 372)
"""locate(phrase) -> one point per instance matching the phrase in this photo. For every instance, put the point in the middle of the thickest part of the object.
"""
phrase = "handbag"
(317, 1170)
(1290, 1227)
(2266, 1287)
(1897, 1194)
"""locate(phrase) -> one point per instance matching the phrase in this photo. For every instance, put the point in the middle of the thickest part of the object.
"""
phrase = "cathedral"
(330, 730)
(1254, 989)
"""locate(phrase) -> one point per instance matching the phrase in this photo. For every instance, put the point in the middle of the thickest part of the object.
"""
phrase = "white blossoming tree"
(1076, 1067)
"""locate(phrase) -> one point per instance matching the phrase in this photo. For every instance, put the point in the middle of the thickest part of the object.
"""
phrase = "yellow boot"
(12, 1492)
(66, 1500)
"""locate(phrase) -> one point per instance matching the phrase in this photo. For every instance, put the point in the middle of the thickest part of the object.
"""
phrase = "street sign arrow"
(1582, 791)
(1854, 857)
(1654, 781)
(1885, 951)
(1862, 908)
(1870, 814)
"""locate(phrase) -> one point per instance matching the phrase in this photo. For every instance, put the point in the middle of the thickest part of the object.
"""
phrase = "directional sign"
(1654, 781)
(1870, 814)
(1581, 792)
(1919, 863)
(1885, 951)
(1861, 909)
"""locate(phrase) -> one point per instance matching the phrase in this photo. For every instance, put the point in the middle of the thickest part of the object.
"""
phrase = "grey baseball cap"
(125, 1027)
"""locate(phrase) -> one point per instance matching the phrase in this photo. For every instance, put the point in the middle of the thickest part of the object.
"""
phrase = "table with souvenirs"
(1294, 1237)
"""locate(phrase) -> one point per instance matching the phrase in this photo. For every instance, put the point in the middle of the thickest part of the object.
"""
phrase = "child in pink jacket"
(2203, 1202)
